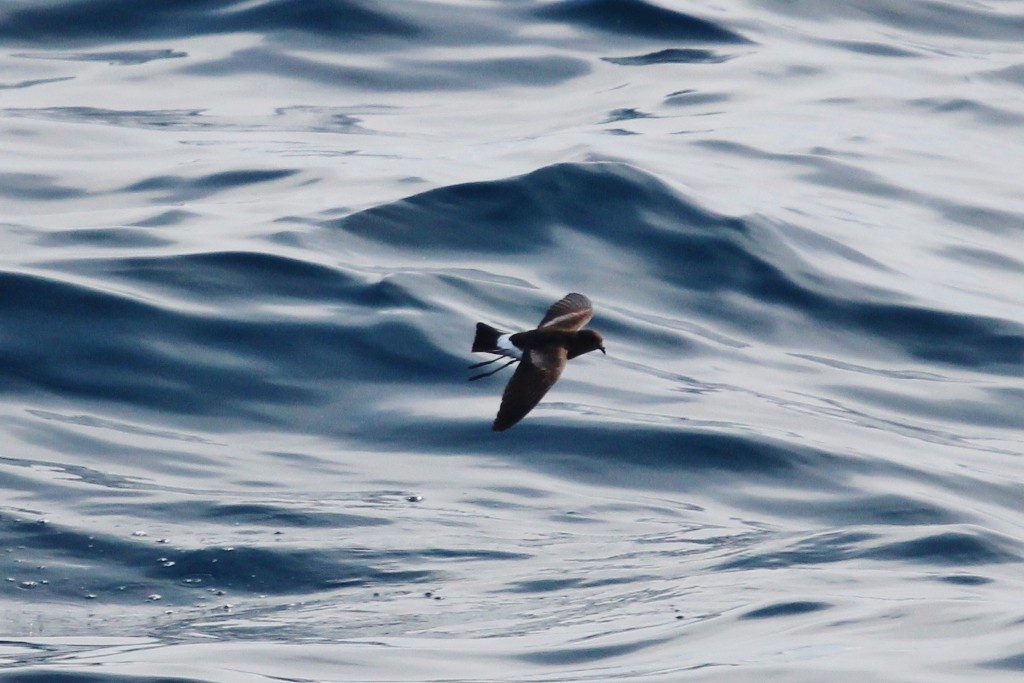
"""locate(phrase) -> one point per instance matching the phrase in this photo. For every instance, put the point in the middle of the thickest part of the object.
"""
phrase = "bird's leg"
(488, 374)
(486, 362)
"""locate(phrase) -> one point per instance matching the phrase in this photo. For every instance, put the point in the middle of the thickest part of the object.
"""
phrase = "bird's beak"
(603, 351)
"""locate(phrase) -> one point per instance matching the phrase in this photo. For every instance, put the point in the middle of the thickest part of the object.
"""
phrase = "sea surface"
(244, 245)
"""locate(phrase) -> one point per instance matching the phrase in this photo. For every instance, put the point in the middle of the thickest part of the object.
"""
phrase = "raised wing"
(570, 313)
(537, 372)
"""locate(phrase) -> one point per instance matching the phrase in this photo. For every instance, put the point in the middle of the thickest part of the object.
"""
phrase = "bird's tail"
(486, 338)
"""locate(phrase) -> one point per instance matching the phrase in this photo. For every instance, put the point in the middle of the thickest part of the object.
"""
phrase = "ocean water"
(244, 247)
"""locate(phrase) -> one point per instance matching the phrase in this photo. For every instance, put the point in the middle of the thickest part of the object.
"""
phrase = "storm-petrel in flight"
(542, 353)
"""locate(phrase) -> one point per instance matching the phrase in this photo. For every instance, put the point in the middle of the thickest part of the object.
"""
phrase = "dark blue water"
(245, 247)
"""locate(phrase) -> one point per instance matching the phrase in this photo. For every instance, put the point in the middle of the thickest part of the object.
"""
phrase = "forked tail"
(486, 339)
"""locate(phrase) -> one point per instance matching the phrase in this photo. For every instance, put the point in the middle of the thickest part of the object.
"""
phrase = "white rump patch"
(508, 348)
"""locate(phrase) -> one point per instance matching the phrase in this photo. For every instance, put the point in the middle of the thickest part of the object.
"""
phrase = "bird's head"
(585, 342)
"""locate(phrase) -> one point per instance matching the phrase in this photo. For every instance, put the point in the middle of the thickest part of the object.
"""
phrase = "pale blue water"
(244, 248)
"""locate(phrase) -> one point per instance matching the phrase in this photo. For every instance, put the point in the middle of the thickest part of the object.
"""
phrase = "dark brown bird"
(542, 354)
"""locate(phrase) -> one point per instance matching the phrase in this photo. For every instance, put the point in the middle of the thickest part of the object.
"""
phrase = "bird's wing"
(570, 313)
(537, 372)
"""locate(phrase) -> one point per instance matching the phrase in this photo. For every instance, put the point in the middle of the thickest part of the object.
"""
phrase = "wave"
(708, 258)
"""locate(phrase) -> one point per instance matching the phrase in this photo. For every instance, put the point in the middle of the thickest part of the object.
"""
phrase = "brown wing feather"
(571, 312)
(537, 372)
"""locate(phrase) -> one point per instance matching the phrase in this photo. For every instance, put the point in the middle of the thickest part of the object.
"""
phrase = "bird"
(541, 353)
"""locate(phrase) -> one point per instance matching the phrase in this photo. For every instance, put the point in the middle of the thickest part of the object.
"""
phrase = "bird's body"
(542, 354)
